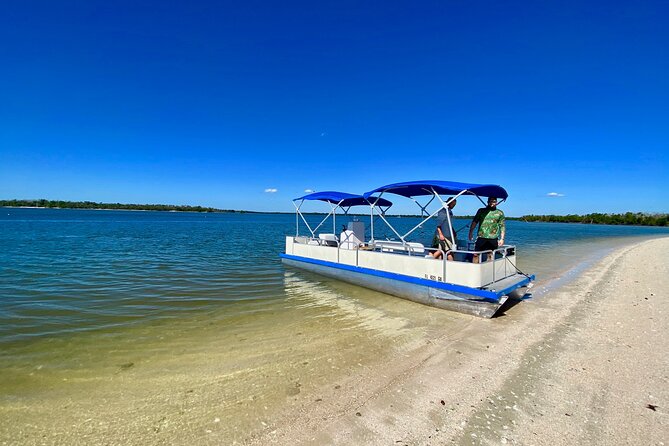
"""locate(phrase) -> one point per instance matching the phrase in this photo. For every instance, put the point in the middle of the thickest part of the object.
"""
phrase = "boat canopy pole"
(424, 210)
(313, 231)
(336, 200)
(381, 214)
(333, 209)
(333, 213)
(345, 211)
(371, 222)
(448, 214)
(297, 208)
(486, 204)
(389, 225)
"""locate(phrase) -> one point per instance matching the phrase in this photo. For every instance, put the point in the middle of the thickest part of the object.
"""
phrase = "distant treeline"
(92, 205)
(628, 218)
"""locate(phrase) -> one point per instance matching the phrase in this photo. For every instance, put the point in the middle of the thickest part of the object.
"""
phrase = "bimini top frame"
(434, 189)
(336, 200)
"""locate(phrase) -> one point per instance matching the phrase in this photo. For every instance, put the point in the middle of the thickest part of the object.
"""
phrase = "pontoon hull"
(416, 290)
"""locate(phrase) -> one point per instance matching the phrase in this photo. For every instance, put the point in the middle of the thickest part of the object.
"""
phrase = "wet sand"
(588, 364)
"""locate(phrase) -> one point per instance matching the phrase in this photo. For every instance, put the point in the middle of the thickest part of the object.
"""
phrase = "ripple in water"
(65, 271)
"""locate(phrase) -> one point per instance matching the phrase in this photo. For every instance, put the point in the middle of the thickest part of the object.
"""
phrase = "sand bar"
(588, 364)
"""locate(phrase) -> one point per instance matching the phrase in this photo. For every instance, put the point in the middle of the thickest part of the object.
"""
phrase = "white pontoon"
(401, 267)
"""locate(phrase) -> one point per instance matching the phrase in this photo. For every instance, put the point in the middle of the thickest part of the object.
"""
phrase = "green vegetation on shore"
(116, 206)
(628, 218)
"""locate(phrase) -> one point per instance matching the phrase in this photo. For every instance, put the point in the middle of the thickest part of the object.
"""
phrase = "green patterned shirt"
(490, 222)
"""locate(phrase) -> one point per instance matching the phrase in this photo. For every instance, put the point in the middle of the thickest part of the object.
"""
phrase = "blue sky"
(245, 105)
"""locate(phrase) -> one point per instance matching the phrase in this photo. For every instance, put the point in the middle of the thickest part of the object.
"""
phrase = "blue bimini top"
(428, 187)
(343, 199)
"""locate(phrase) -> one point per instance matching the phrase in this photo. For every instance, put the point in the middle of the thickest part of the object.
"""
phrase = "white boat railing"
(498, 267)
(465, 256)
(396, 247)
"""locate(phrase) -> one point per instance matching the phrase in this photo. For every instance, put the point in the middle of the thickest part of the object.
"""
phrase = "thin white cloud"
(554, 194)
(271, 190)
(308, 191)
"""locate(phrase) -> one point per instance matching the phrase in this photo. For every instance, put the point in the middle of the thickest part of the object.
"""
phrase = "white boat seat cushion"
(349, 240)
(328, 239)
(393, 246)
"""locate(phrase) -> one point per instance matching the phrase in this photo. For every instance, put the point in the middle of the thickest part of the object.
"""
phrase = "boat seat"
(328, 239)
(349, 240)
(412, 248)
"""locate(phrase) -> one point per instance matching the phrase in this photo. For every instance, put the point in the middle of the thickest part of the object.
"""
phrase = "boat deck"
(507, 284)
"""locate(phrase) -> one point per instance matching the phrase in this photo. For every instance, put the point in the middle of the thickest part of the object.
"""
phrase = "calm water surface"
(65, 271)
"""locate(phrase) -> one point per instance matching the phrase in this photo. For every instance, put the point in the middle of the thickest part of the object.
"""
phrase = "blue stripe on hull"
(465, 292)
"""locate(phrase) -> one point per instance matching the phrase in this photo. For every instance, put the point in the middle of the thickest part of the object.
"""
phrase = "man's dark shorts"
(486, 244)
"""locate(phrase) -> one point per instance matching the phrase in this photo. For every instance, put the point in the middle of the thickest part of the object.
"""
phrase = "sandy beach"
(588, 364)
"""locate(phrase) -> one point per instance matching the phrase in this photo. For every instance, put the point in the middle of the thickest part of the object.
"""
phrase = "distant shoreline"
(141, 210)
(626, 219)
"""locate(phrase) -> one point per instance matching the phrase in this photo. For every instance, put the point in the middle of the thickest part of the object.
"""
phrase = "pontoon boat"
(401, 267)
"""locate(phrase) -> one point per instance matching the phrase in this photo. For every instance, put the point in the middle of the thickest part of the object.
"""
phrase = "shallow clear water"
(76, 270)
(139, 308)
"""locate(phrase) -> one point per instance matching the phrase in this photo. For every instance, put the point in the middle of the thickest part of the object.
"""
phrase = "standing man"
(444, 237)
(490, 221)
